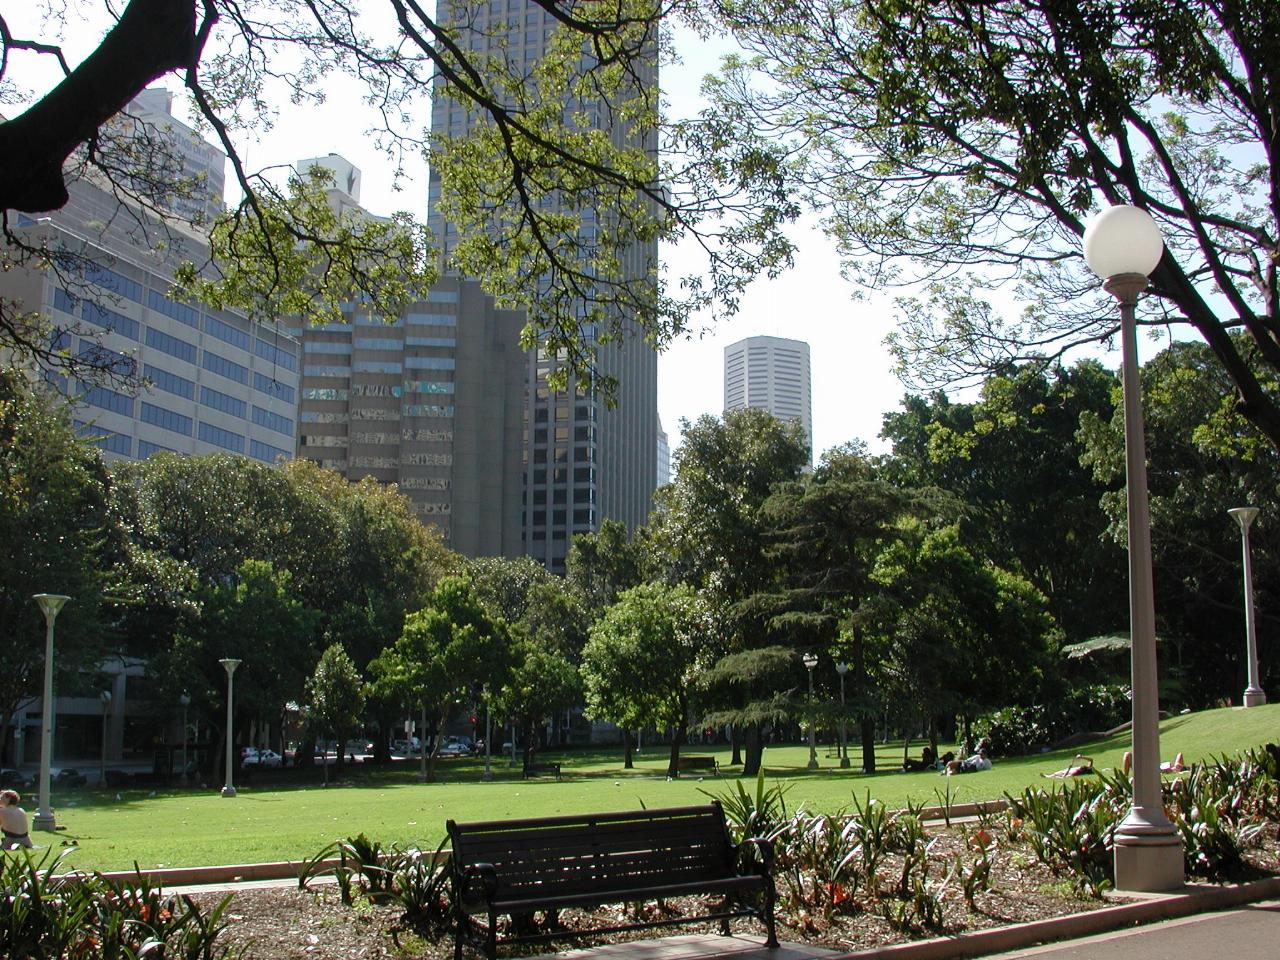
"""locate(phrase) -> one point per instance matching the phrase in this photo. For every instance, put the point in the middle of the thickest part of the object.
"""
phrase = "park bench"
(518, 867)
(538, 768)
(698, 763)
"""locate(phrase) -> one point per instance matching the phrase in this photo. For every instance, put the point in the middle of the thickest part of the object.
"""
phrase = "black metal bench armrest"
(485, 874)
(765, 847)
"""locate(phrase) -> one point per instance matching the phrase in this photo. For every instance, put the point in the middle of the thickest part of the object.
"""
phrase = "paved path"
(1250, 932)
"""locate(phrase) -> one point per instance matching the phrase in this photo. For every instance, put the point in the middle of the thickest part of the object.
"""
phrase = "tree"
(448, 651)
(601, 565)
(542, 683)
(56, 536)
(639, 665)
(579, 127)
(335, 697)
(938, 139)
(960, 634)
(1013, 459)
(1203, 459)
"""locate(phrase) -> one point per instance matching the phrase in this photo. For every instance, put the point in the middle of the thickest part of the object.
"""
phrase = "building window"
(226, 332)
(165, 419)
(267, 453)
(146, 448)
(173, 346)
(169, 382)
(100, 316)
(175, 311)
(106, 399)
(218, 400)
(273, 354)
(226, 368)
(273, 388)
(272, 421)
(221, 438)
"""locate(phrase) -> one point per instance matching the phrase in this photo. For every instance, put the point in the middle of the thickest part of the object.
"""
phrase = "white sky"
(852, 383)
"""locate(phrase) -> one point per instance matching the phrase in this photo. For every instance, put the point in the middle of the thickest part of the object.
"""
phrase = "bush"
(1019, 730)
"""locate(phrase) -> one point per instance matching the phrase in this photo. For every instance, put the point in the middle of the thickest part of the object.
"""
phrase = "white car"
(269, 758)
(455, 748)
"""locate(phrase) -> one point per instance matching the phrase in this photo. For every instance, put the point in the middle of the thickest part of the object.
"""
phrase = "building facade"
(214, 380)
(432, 402)
(583, 460)
(770, 373)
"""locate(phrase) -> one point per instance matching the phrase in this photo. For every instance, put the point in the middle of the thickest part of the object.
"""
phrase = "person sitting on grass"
(1081, 766)
(13, 822)
(928, 761)
(974, 764)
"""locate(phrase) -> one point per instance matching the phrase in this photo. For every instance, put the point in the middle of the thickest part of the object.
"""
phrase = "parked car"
(456, 747)
(69, 777)
(269, 758)
(11, 779)
(249, 757)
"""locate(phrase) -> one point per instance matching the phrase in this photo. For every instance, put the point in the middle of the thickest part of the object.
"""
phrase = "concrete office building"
(583, 462)
(432, 402)
(216, 381)
(664, 457)
(770, 373)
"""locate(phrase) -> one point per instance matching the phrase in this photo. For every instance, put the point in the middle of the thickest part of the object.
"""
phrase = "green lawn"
(198, 828)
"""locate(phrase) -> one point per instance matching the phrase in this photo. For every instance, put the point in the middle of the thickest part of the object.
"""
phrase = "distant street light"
(810, 661)
(229, 789)
(185, 700)
(50, 604)
(1254, 695)
(105, 697)
(842, 669)
(1123, 246)
(488, 738)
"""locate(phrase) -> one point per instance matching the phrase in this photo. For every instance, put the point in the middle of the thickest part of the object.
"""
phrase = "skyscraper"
(770, 373)
(583, 462)
(432, 402)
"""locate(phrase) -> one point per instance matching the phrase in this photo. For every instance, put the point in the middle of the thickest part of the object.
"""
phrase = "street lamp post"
(105, 697)
(228, 789)
(842, 669)
(50, 604)
(185, 700)
(1122, 245)
(810, 661)
(488, 738)
(1254, 696)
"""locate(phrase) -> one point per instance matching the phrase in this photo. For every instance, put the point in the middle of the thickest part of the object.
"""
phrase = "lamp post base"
(1149, 864)
(1254, 697)
(228, 791)
(844, 763)
(44, 821)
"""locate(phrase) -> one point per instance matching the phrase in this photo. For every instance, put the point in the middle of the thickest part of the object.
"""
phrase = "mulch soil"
(282, 923)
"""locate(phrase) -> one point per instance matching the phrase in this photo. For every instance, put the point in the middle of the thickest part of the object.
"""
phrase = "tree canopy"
(965, 142)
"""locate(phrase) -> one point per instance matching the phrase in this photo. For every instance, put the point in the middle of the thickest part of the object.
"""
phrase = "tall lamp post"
(1254, 696)
(50, 604)
(842, 669)
(1122, 245)
(105, 697)
(228, 789)
(488, 738)
(185, 700)
(810, 661)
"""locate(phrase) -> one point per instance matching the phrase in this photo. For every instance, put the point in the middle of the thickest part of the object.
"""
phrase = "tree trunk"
(628, 761)
(735, 739)
(677, 738)
(754, 751)
(868, 728)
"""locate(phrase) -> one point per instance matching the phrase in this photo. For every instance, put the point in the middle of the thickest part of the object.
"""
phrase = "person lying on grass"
(978, 762)
(1081, 766)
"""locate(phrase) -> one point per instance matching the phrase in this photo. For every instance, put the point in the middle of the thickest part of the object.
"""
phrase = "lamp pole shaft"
(184, 743)
(813, 747)
(229, 790)
(44, 819)
(844, 728)
(1146, 842)
(1253, 694)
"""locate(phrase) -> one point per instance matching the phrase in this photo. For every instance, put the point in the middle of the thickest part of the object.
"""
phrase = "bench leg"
(770, 894)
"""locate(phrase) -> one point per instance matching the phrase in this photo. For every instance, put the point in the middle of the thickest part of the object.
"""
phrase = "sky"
(852, 382)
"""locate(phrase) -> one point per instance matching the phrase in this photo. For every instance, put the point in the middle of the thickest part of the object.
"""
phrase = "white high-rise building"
(770, 373)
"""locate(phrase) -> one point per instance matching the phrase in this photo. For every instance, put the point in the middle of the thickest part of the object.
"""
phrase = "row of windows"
(267, 453)
(217, 400)
(320, 370)
(560, 495)
(107, 399)
(166, 419)
(430, 342)
(326, 346)
(272, 421)
(423, 319)
(109, 279)
(378, 343)
(429, 363)
(559, 517)
(226, 332)
(377, 366)
(109, 360)
(173, 346)
(273, 354)
(105, 439)
(221, 438)
(146, 448)
(226, 368)
(100, 316)
(170, 382)
(427, 410)
(273, 388)
(183, 313)
(560, 475)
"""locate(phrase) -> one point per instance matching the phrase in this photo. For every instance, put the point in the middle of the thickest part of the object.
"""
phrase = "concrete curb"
(1190, 900)
(195, 876)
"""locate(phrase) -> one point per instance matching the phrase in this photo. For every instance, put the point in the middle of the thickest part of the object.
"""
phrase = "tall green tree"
(56, 536)
(1013, 458)
(334, 698)
(964, 144)
(1203, 458)
(639, 666)
(601, 565)
(542, 684)
(448, 652)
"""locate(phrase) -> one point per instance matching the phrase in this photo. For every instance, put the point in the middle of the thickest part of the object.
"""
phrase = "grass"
(198, 827)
